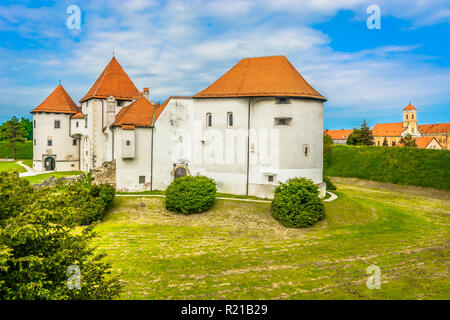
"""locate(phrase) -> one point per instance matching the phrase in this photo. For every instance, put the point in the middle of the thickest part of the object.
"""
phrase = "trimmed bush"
(296, 203)
(191, 194)
(329, 183)
(400, 165)
(23, 151)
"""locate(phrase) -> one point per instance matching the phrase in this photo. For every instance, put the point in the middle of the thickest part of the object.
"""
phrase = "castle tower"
(410, 120)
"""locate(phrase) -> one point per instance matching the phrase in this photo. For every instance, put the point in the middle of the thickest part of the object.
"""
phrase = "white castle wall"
(65, 153)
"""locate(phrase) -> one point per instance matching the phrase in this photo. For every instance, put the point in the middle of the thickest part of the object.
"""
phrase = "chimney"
(146, 93)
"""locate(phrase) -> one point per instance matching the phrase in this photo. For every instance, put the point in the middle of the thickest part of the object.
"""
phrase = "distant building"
(393, 132)
(425, 143)
(338, 136)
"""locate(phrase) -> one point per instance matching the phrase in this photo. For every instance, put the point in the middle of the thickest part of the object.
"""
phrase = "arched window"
(406, 117)
(208, 120)
(230, 119)
(412, 116)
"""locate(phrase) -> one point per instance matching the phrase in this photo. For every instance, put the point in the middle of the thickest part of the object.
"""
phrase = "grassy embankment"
(237, 250)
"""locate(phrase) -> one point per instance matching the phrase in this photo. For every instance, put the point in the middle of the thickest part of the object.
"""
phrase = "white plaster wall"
(177, 119)
(129, 170)
(62, 149)
(305, 129)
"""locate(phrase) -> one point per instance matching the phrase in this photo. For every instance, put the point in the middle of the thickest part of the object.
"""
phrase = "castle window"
(283, 100)
(77, 124)
(49, 142)
(34, 124)
(128, 142)
(209, 120)
(74, 142)
(57, 124)
(141, 179)
(283, 121)
(230, 119)
(270, 178)
(306, 150)
(34, 141)
(85, 121)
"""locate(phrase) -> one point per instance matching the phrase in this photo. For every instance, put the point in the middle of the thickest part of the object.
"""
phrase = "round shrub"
(191, 194)
(296, 203)
(330, 185)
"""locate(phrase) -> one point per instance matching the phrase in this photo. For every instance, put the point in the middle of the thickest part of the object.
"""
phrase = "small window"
(283, 121)
(85, 121)
(141, 179)
(74, 142)
(270, 178)
(406, 117)
(77, 124)
(34, 141)
(412, 116)
(209, 120)
(57, 124)
(283, 100)
(128, 143)
(230, 119)
(49, 143)
(34, 124)
(306, 150)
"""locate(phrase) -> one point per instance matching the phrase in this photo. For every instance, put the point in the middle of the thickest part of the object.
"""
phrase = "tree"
(366, 136)
(408, 141)
(385, 143)
(13, 132)
(28, 125)
(354, 138)
(41, 258)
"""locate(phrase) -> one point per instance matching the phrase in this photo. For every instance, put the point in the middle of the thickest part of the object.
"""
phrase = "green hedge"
(23, 150)
(409, 166)
(191, 194)
(296, 203)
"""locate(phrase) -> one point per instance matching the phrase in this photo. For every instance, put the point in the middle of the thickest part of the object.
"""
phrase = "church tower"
(410, 120)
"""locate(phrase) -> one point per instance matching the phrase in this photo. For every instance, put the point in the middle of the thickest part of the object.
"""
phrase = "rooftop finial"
(112, 52)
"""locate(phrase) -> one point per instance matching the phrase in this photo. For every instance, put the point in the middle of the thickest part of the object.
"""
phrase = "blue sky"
(180, 47)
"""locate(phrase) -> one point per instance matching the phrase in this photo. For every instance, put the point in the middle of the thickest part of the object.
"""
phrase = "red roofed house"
(425, 143)
(258, 124)
(338, 136)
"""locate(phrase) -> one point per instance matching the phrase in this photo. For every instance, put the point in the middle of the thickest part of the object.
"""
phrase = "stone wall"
(105, 174)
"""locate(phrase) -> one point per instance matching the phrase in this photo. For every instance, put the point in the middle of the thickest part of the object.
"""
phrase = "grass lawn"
(11, 165)
(237, 251)
(41, 177)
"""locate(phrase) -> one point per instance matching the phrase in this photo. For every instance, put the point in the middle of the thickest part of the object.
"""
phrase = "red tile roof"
(409, 107)
(421, 142)
(113, 81)
(263, 76)
(388, 129)
(435, 128)
(77, 115)
(338, 134)
(58, 101)
(138, 113)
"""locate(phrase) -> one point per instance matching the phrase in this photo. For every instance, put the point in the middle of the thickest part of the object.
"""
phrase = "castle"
(258, 124)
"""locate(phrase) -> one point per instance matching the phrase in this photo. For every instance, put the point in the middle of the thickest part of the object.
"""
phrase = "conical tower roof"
(58, 101)
(113, 81)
